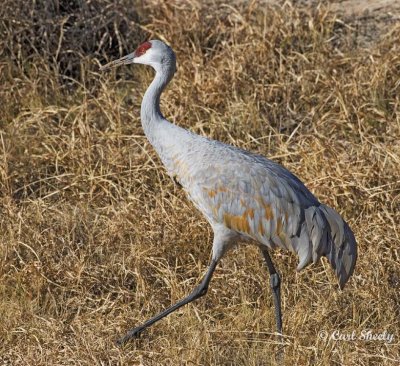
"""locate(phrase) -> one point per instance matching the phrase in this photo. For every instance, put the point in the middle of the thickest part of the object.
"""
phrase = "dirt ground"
(368, 19)
(95, 238)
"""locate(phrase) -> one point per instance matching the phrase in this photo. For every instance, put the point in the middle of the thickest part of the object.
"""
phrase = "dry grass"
(95, 237)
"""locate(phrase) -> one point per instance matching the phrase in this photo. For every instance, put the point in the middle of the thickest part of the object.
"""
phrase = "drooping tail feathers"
(329, 235)
(342, 253)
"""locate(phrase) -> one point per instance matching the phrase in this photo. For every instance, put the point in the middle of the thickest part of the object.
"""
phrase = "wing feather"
(262, 200)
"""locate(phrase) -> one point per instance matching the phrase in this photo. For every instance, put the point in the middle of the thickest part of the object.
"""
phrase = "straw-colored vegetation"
(95, 237)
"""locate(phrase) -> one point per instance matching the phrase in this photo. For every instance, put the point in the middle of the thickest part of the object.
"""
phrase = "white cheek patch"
(143, 59)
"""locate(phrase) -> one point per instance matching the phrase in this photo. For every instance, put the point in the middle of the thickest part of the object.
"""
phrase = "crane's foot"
(132, 334)
(198, 292)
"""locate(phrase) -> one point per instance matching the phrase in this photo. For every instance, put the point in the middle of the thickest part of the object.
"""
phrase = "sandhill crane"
(244, 196)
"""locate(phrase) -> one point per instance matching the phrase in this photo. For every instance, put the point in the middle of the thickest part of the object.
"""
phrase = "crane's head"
(153, 53)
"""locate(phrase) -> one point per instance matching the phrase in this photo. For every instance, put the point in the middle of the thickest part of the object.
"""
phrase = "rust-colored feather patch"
(269, 215)
(213, 192)
(238, 223)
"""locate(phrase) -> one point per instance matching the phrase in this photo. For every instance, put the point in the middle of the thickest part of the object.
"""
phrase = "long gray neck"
(150, 113)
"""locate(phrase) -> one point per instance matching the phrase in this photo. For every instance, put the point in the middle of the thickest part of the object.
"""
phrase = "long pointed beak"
(128, 59)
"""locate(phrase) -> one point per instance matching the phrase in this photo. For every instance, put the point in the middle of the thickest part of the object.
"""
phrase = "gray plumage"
(243, 196)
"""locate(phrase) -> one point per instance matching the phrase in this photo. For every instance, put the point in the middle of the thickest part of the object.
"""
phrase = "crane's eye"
(141, 50)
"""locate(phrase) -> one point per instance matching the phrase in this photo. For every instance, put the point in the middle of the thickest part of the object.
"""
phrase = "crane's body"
(244, 196)
(247, 196)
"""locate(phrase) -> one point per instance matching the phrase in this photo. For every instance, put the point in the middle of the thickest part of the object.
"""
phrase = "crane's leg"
(276, 288)
(197, 292)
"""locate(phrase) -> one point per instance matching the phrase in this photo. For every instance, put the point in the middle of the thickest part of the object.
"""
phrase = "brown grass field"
(95, 237)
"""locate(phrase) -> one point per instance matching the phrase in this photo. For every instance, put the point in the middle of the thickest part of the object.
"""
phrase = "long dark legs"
(201, 290)
(275, 286)
(197, 292)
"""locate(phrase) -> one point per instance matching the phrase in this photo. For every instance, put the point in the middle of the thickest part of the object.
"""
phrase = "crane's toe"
(132, 334)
